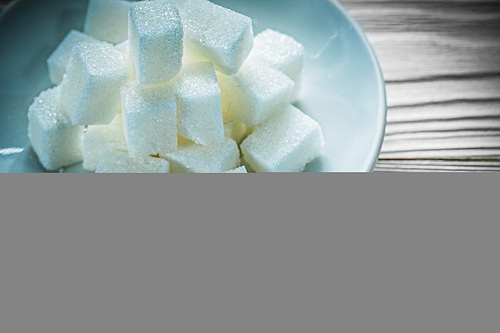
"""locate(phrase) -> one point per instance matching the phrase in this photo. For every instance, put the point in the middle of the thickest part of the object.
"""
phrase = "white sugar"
(124, 48)
(106, 20)
(58, 60)
(173, 86)
(241, 169)
(215, 158)
(234, 128)
(98, 138)
(199, 107)
(156, 41)
(280, 51)
(216, 34)
(112, 161)
(284, 143)
(255, 93)
(54, 139)
(150, 119)
(91, 89)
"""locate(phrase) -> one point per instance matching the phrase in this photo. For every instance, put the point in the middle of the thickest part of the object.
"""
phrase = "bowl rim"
(374, 152)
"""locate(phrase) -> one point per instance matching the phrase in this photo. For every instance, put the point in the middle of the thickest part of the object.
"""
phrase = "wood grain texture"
(417, 39)
(482, 88)
(442, 70)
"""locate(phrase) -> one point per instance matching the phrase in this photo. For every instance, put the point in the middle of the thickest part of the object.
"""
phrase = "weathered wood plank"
(453, 19)
(445, 163)
(420, 55)
(423, 168)
(483, 124)
(421, 39)
(402, 168)
(471, 142)
(439, 165)
(468, 110)
(463, 134)
(443, 154)
(443, 120)
(438, 91)
(440, 61)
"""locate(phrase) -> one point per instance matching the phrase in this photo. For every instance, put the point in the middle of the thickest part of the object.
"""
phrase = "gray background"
(268, 253)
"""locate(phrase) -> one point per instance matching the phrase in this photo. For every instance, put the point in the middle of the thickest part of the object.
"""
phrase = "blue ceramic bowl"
(343, 88)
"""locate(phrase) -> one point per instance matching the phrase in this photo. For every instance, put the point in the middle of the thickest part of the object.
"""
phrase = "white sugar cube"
(296, 90)
(179, 3)
(58, 60)
(124, 48)
(112, 161)
(255, 93)
(216, 34)
(199, 107)
(215, 158)
(107, 20)
(156, 41)
(235, 128)
(98, 138)
(279, 51)
(91, 89)
(241, 169)
(54, 139)
(284, 143)
(150, 119)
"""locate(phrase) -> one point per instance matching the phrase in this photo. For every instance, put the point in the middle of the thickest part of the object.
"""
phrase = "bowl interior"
(342, 87)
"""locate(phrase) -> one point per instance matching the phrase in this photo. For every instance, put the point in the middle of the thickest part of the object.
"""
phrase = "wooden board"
(441, 63)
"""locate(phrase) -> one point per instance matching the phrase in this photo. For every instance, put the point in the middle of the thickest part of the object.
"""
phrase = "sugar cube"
(150, 119)
(91, 89)
(107, 20)
(98, 138)
(255, 93)
(124, 48)
(54, 139)
(183, 141)
(180, 3)
(241, 169)
(235, 128)
(215, 158)
(296, 90)
(199, 107)
(282, 52)
(216, 34)
(156, 41)
(113, 161)
(58, 60)
(286, 142)
(277, 50)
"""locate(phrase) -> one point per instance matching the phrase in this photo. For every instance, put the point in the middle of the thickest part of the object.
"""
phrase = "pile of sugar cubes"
(160, 86)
